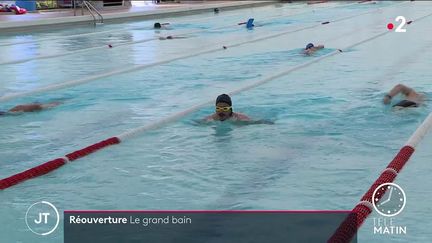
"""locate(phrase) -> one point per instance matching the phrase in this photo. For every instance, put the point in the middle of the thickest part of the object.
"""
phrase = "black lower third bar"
(201, 226)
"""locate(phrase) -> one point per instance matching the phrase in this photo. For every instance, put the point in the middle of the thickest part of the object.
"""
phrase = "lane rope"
(189, 21)
(165, 19)
(88, 79)
(344, 230)
(133, 28)
(127, 43)
(364, 208)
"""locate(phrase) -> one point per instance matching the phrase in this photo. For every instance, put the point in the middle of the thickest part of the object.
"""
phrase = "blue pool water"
(331, 138)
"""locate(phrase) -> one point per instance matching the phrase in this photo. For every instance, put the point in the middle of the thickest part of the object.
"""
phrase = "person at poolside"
(224, 111)
(159, 25)
(29, 108)
(310, 48)
(412, 98)
(170, 37)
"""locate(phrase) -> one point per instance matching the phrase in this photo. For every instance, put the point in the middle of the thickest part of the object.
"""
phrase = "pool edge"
(16, 26)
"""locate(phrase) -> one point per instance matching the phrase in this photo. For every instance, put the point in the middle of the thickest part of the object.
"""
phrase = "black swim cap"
(157, 26)
(406, 103)
(2, 113)
(309, 46)
(224, 98)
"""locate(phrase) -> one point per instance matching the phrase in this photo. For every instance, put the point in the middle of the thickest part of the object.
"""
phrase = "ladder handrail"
(92, 8)
(90, 11)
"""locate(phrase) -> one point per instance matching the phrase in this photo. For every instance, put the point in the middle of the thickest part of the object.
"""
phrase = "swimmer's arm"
(320, 47)
(395, 91)
(208, 118)
(400, 88)
(242, 117)
(26, 108)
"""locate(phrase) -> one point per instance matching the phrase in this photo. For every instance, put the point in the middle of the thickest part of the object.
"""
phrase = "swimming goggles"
(224, 109)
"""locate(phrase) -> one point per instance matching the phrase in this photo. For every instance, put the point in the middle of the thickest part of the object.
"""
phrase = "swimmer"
(170, 37)
(29, 108)
(224, 111)
(159, 25)
(310, 48)
(249, 24)
(216, 10)
(412, 98)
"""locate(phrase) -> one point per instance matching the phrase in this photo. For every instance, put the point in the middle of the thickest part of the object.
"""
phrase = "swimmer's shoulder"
(241, 117)
(209, 118)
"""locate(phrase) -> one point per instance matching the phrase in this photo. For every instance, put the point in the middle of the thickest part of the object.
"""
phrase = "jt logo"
(37, 215)
(40, 218)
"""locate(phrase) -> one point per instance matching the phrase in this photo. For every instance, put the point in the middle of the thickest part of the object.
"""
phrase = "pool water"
(331, 139)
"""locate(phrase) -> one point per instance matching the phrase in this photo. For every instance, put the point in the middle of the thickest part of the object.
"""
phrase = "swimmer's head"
(216, 10)
(2, 113)
(224, 98)
(157, 25)
(224, 107)
(309, 46)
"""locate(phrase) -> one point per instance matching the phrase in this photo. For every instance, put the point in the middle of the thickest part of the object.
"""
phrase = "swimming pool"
(331, 138)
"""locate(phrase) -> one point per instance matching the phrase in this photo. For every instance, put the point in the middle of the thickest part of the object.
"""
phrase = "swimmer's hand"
(308, 52)
(387, 99)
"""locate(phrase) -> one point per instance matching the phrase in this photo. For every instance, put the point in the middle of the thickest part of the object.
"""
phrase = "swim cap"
(157, 26)
(2, 113)
(250, 24)
(309, 46)
(406, 103)
(224, 98)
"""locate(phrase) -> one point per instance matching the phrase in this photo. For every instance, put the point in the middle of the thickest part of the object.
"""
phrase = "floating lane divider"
(189, 21)
(89, 79)
(56, 163)
(131, 29)
(103, 32)
(126, 43)
(361, 211)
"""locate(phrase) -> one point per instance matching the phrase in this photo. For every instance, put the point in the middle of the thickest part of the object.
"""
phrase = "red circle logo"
(390, 26)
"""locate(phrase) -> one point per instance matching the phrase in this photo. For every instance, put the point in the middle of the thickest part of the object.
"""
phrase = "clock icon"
(389, 199)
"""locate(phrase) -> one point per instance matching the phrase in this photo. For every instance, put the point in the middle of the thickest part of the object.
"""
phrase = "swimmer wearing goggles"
(311, 48)
(224, 111)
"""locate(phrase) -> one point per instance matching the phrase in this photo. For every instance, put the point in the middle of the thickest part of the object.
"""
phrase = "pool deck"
(66, 16)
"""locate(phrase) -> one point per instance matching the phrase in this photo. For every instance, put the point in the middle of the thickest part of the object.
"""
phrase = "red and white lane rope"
(56, 163)
(361, 211)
